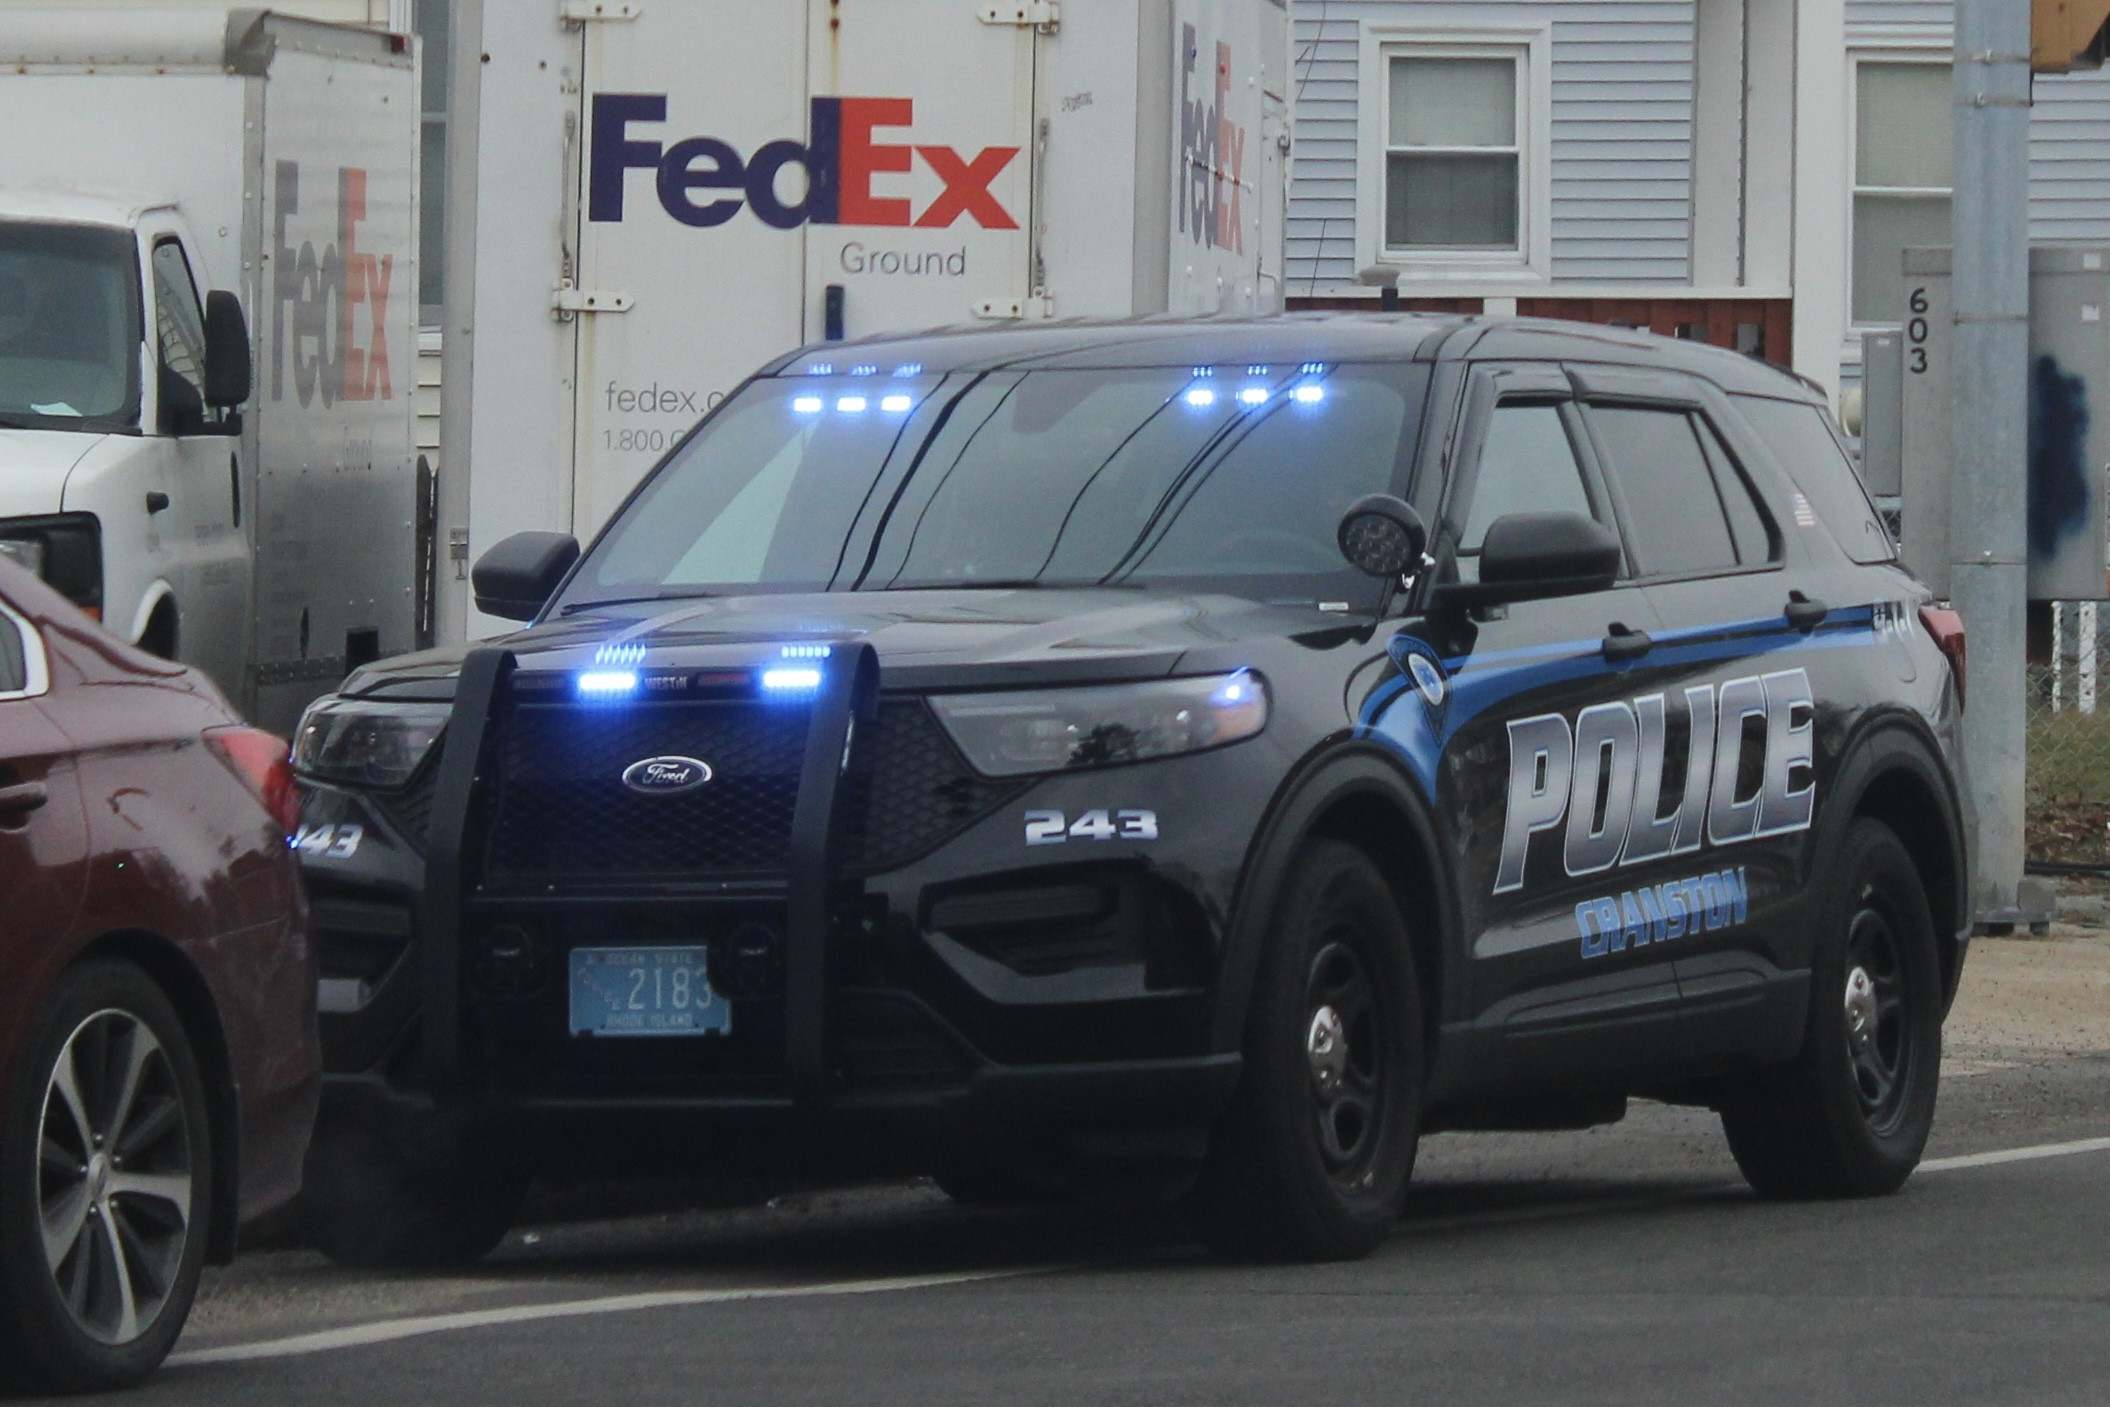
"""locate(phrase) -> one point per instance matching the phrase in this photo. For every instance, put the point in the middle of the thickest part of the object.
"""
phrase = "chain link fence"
(2069, 740)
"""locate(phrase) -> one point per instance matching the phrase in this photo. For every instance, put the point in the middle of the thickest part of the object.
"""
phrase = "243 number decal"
(1054, 828)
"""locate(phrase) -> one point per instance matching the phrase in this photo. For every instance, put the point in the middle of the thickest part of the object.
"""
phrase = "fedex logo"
(1212, 154)
(703, 181)
(329, 308)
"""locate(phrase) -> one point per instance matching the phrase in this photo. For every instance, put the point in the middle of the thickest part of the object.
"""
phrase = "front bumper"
(890, 1039)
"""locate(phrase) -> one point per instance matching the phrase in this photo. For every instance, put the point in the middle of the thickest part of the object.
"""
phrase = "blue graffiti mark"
(2058, 456)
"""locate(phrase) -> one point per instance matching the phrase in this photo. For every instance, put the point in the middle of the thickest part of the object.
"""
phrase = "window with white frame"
(1454, 152)
(1903, 173)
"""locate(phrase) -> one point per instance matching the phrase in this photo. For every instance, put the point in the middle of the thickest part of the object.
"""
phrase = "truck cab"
(122, 374)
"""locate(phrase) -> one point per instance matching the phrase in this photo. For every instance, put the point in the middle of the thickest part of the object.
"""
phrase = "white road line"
(2017, 1155)
(390, 1330)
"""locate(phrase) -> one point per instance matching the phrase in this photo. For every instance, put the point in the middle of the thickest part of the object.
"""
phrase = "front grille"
(561, 811)
(411, 807)
(910, 789)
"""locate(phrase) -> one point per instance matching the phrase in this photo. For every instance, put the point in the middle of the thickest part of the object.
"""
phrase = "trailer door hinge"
(1044, 15)
(590, 300)
(580, 11)
(1039, 305)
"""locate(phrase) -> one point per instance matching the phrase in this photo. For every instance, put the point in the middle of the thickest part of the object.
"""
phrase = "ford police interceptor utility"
(1210, 753)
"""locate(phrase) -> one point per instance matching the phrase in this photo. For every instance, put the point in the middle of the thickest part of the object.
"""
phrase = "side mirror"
(1382, 536)
(515, 579)
(228, 377)
(1531, 556)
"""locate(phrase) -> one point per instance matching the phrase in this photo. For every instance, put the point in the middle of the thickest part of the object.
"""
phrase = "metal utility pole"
(1988, 542)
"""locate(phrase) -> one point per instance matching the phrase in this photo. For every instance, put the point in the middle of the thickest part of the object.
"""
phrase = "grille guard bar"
(849, 692)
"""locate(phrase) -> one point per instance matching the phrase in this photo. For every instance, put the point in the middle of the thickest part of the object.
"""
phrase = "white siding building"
(1744, 171)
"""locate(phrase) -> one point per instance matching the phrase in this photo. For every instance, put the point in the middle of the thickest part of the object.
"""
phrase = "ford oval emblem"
(666, 776)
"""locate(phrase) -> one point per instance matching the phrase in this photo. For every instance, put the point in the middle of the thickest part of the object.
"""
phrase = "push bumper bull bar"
(848, 692)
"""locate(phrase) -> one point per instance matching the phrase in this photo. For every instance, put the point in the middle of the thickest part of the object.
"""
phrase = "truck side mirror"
(228, 377)
(1534, 556)
(1382, 536)
(515, 579)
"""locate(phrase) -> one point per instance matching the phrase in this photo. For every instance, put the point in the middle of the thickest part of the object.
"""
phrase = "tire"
(408, 1199)
(1312, 1159)
(1850, 1116)
(105, 1185)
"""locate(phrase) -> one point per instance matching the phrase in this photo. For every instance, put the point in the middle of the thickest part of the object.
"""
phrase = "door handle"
(1621, 644)
(16, 802)
(1805, 613)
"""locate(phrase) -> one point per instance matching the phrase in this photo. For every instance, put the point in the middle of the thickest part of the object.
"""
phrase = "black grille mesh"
(910, 789)
(560, 810)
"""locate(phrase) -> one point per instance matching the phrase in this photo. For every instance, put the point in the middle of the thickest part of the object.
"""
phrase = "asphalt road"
(1625, 1264)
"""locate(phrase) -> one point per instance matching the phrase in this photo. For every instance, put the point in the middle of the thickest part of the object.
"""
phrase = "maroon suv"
(158, 1062)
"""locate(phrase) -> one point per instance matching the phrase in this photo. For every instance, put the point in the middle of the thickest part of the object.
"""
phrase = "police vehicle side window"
(1527, 465)
(1757, 539)
(1800, 436)
(1675, 517)
(179, 324)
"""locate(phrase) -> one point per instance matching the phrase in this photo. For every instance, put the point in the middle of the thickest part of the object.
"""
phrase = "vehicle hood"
(924, 639)
(34, 467)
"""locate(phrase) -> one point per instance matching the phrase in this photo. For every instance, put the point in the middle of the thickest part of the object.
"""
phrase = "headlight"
(1048, 730)
(366, 742)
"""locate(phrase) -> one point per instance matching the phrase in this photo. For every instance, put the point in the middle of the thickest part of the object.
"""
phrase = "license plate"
(645, 992)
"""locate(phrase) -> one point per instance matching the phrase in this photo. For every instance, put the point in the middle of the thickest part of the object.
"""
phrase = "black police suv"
(1210, 753)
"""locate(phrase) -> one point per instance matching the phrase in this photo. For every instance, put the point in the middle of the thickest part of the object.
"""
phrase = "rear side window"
(1800, 436)
(1673, 507)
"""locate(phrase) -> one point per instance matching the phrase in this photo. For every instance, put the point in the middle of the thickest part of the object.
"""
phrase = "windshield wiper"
(572, 608)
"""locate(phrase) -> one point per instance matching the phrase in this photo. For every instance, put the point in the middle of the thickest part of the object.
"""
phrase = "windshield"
(69, 327)
(1229, 478)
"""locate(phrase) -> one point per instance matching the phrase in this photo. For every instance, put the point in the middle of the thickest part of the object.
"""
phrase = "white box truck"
(164, 171)
(666, 194)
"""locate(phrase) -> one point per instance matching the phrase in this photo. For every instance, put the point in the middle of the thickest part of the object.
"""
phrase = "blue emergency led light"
(806, 405)
(909, 369)
(791, 679)
(850, 405)
(1201, 396)
(607, 683)
(820, 368)
(1309, 394)
(864, 369)
(1238, 689)
(895, 405)
(1253, 395)
(806, 652)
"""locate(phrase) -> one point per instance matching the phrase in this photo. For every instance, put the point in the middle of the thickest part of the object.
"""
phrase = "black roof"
(1289, 337)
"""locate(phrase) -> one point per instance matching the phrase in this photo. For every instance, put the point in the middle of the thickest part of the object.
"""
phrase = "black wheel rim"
(114, 1177)
(1344, 1049)
(1878, 1019)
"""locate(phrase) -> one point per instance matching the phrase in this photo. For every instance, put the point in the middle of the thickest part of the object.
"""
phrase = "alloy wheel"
(1344, 1048)
(114, 1176)
(1878, 1046)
